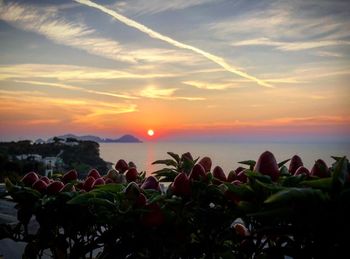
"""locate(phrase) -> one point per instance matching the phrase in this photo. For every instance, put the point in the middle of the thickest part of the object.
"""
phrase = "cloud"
(77, 35)
(38, 109)
(157, 6)
(70, 72)
(60, 31)
(131, 23)
(292, 20)
(272, 123)
(211, 86)
(76, 88)
(165, 94)
(290, 46)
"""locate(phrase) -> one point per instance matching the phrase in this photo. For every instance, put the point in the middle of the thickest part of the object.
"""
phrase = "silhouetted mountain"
(123, 139)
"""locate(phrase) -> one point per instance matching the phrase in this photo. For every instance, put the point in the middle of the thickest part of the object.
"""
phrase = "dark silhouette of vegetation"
(81, 157)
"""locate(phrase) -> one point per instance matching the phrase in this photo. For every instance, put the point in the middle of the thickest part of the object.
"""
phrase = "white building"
(34, 157)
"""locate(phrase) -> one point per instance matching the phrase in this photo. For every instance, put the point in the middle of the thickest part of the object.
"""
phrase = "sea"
(225, 154)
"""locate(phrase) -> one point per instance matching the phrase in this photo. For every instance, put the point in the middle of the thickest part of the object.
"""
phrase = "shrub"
(265, 214)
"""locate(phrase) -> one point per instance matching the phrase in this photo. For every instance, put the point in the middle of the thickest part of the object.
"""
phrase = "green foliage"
(296, 216)
(81, 157)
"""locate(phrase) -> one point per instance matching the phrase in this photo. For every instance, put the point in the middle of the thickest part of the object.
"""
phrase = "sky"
(188, 69)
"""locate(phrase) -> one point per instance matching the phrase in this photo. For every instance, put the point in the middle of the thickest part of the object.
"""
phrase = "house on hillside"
(51, 164)
(32, 157)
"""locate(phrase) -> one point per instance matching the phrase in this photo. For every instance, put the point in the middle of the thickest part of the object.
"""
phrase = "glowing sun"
(150, 132)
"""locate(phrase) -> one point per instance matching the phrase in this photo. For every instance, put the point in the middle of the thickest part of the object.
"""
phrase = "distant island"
(123, 139)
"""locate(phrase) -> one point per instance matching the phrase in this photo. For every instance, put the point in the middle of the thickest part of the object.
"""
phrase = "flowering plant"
(262, 209)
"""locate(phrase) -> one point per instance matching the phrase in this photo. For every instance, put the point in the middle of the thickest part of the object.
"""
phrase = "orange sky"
(256, 69)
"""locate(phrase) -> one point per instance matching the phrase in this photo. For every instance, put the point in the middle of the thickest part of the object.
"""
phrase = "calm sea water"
(224, 154)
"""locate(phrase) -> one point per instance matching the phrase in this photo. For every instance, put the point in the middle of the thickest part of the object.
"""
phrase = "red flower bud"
(94, 174)
(131, 175)
(30, 178)
(206, 163)
(40, 186)
(294, 164)
(151, 183)
(54, 187)
(197, 172)
(181, 185)
(71, 175)
(267, 165)
(121, 166)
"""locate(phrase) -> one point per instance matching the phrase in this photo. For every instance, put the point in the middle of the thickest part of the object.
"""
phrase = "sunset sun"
(150, 132)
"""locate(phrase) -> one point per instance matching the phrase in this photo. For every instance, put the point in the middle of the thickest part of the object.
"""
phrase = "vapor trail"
(216, 59)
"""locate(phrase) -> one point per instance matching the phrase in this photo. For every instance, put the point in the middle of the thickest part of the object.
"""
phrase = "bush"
(261, 211)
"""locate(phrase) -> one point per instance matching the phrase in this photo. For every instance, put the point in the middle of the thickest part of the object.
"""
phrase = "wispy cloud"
(42, 109)
(76, 88)
(70, 72)
(290, 46)
(216, 59)
(156, 6)
(297, 20)
(148, 92)
(60, 31)
(272, 123)
(48, 23)
(211, 86)
(165, 94)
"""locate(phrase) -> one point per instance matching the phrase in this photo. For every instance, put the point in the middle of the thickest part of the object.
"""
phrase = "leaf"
(251, 163)
(283, 162)
(25, 195)
(168, 162)
(81, 199)
(269, 186)
(296, 195)
(293, 181)
(340, 173)
(284, 171)
(242, 191)
(336, 158)
(113, 187)
(258, 176)
(274, 213)
(323, 183)
(102, 202)
(8, 184)
(166, 173)
(175, 156)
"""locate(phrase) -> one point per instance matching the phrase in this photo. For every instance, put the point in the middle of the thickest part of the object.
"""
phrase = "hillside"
(123, 139)
(82, 157)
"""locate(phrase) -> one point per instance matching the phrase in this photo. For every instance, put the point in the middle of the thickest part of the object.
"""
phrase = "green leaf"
(258, 176)
(284, 171)
(340, 173)
(102, 202)
(323, 183)
(25, 195)
(273, 213)
(242, 191)
(81, 199)
(336, 158)
(175, 156)
(113, 187)
(251, 163)
(166, 175)
(296, 195)
(168, 162)
(269, 186)
(293, 181)
(283, 162)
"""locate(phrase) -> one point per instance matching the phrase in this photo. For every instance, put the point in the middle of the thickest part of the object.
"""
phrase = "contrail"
(216, 59)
